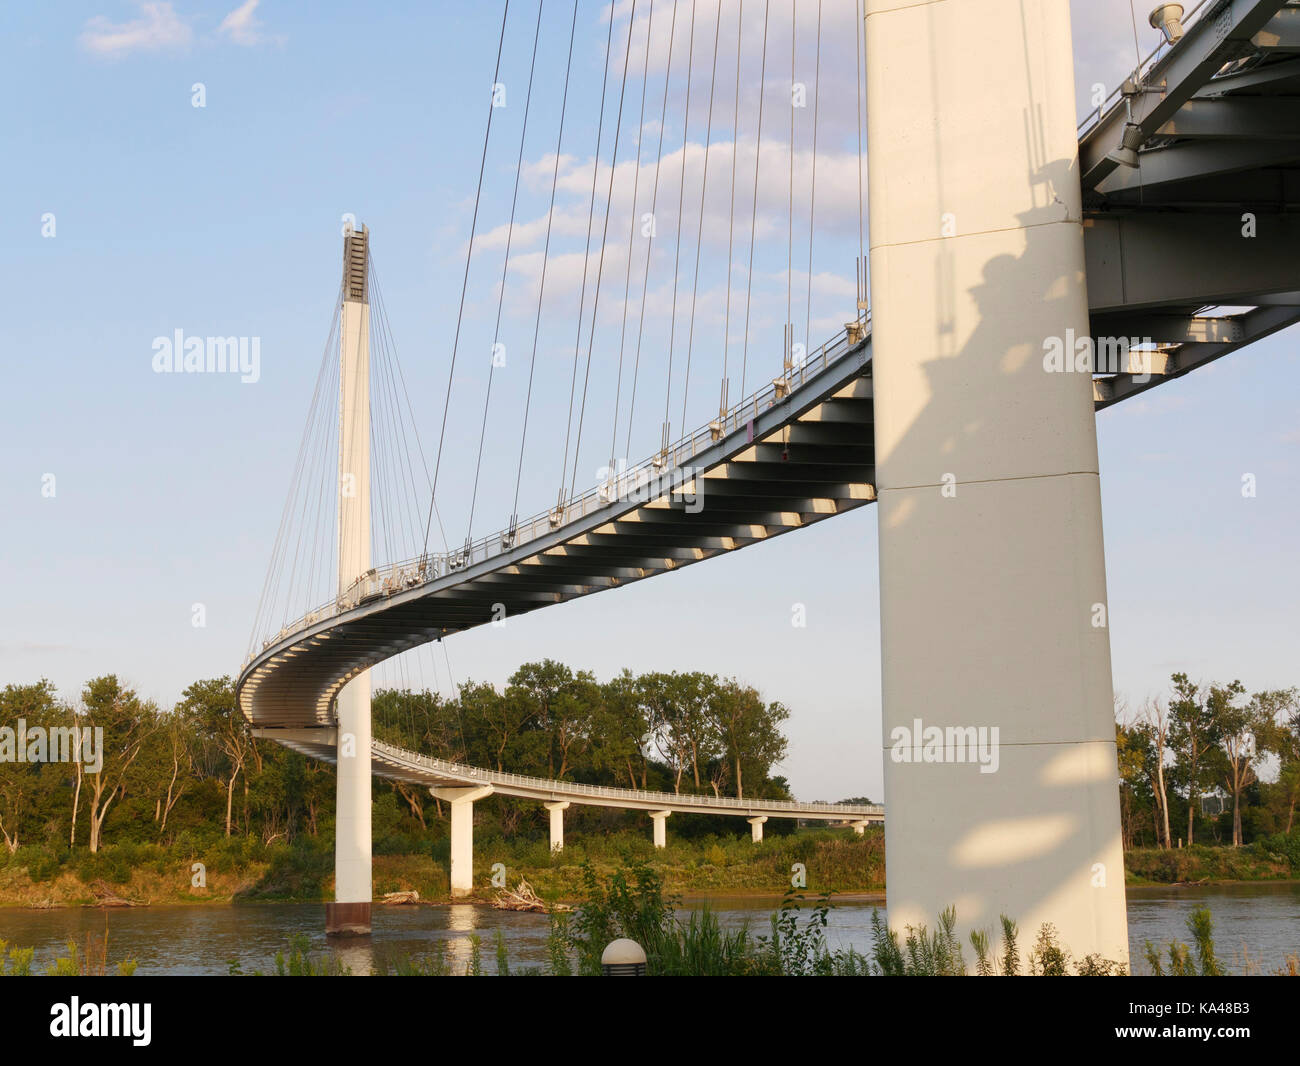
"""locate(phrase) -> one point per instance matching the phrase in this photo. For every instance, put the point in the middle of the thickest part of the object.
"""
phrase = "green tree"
(25, 786)
(212, 703)
(1195, 713)
(500, 722)
(1247, 734)
(1287, 737)
(751, 731)
(618, 725)
(1135, 753)
(126, 723)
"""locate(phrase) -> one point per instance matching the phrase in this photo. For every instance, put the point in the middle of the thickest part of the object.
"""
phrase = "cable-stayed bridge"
(1173, 200)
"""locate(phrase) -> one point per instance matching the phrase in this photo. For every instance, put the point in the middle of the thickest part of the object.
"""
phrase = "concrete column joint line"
(992, 480)
(977, 233)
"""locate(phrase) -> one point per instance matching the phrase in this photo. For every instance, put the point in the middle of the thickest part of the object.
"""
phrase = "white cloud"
(158, 28)
(241, 25)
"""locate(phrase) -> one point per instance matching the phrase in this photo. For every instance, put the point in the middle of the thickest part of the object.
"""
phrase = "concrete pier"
(660, 820)
(992, 576)
(557, 810)
(461, 801)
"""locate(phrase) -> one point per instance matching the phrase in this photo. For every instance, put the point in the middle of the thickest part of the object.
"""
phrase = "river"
(1256, 927)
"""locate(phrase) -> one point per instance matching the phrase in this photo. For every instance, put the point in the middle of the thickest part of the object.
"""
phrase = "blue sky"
(224, 220)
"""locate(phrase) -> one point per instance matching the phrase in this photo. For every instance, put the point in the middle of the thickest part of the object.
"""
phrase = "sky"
(138, 503)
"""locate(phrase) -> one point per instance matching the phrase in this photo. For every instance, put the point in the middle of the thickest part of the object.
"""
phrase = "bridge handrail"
(1139, 73)
(392, 577)
(669, 799)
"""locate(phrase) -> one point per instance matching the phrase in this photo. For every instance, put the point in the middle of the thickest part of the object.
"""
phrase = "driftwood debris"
(106, 897)
(523, 898)
(397, 899)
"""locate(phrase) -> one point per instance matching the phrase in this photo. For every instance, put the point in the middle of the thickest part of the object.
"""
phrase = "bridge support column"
(756, 827)
(557, 810)
(660, 820)
(860, 827)
(349, 914)
(999, 732)
(461, 801)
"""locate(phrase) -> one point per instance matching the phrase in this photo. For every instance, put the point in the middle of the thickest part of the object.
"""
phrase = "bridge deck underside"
(1194, 247)
(805, 458)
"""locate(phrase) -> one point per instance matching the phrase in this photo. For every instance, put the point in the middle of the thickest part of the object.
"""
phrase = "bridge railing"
(668, 799)
(1140, 72)
(662, 472)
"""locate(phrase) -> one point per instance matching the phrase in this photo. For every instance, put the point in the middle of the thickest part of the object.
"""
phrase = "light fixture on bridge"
(1168, 19)
(1126, 154)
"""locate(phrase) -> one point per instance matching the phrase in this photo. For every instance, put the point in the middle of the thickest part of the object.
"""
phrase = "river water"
(1256, 927)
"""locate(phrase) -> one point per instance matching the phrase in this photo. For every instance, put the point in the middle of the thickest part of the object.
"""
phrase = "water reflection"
(1256, 927)
(461, 918)
(357, 953)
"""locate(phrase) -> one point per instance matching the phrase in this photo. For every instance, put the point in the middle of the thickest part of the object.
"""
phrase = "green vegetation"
(1201, 926)
(193, 777)
(938, 953)
(90, 961)
(1190, 766)
(190, 785)
(1271, 858)
(632, 903)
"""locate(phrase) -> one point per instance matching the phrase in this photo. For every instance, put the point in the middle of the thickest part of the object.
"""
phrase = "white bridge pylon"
(991, 559)
(349, 914)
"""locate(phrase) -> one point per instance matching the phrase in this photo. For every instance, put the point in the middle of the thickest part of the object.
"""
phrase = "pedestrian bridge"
(439, 775)
(1197, 151)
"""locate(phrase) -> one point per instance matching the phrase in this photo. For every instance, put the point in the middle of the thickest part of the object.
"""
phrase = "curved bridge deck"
(399, 764)
(798, 452)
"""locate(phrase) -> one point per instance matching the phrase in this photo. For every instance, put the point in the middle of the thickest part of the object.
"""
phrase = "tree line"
(1202, 740)
(195, 769)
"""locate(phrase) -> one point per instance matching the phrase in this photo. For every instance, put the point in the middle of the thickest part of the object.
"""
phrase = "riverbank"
(812, 861)
(1275, 859)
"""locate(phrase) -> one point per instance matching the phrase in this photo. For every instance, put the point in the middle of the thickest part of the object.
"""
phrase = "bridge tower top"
(356, 246)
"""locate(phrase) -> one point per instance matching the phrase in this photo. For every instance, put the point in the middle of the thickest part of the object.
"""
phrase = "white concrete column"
(461, 800)
(999, 735)
(756, 827)
(352, 869)
(660, 819)
(557, 810)
(860, 827)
